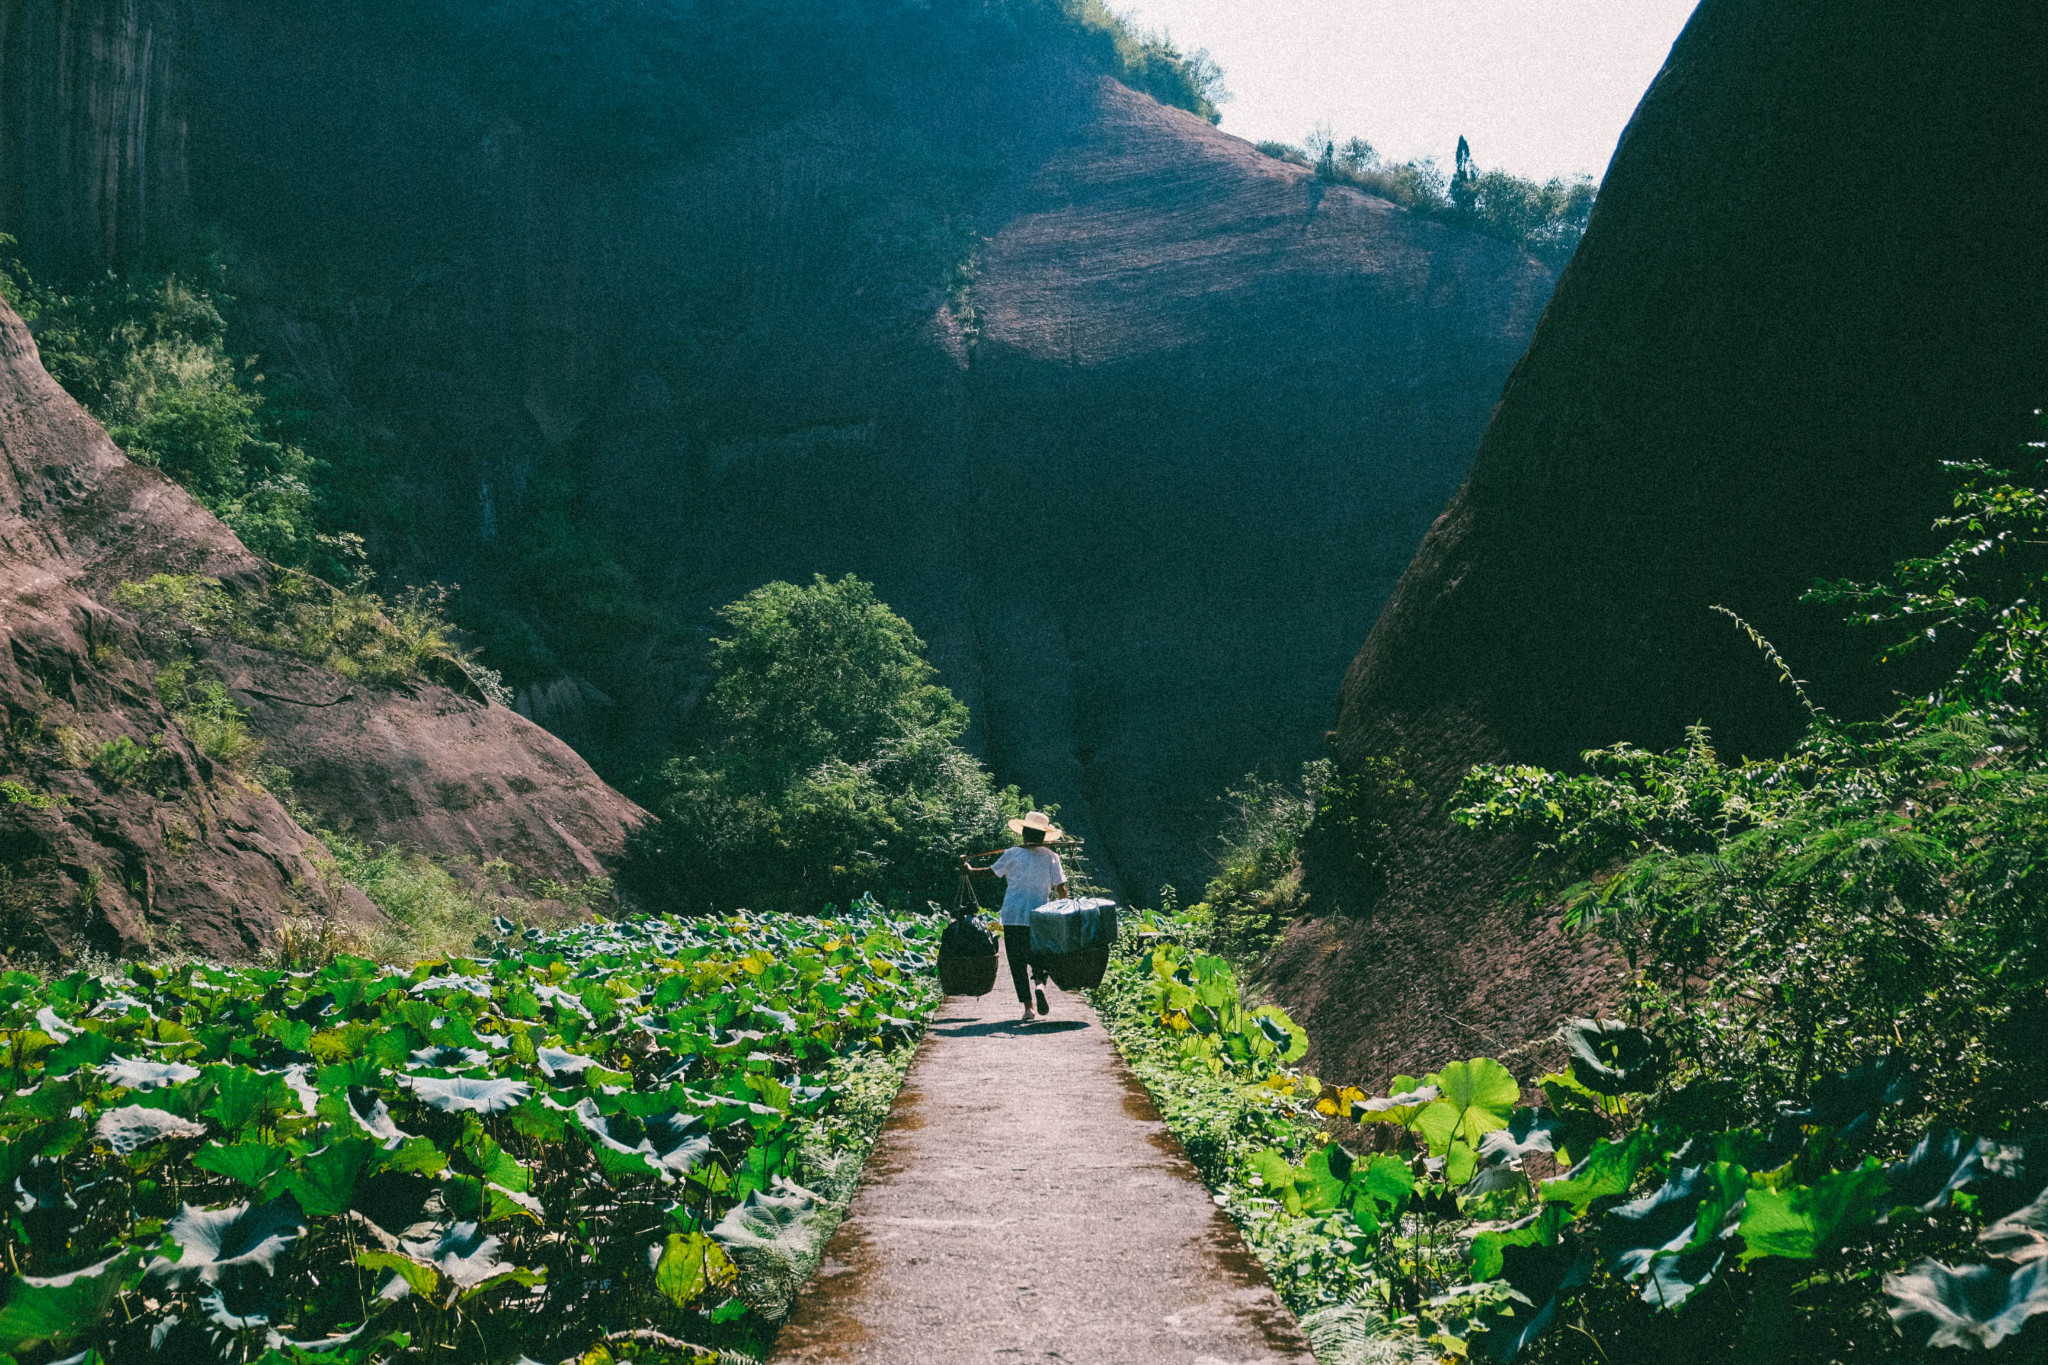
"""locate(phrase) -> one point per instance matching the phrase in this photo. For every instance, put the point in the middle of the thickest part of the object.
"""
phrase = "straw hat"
(1041, 822)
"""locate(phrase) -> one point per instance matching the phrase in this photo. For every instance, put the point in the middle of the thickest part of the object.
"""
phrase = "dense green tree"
(837, 768)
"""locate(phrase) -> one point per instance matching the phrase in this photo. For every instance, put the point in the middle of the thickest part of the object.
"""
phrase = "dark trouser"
(1017, 948)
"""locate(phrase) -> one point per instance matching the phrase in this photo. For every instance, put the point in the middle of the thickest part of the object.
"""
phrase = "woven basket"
(968, 975)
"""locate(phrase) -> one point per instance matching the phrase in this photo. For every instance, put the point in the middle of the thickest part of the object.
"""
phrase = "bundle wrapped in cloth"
(1071, 939)
(967, 958)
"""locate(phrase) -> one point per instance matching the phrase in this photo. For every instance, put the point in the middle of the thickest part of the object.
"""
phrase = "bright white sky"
(1541, 87)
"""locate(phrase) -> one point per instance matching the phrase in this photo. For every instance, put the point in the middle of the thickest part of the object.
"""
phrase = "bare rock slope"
(1796, 297)
(116, 833)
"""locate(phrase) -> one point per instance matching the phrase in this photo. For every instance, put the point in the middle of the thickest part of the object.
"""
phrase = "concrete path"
(1025, 1203)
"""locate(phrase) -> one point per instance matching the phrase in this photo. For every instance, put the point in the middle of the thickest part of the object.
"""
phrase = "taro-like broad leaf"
(680, 1140)
(1941, 1163)
(239, 1241)
(132, 1127)
(255, 1164)
(325, 1181)
(243, 1095)
(49, 1022)
(1667, 1237)
(57, 1308)
(444, 1058)
(140, 1075)
(1539, 1277)
(556, 1063)
(1610, 1058)
(1502, 1151)
(1478, 1097)
(377, 1123)
(1970, 1305)
(688, 1265)
(462, 1253)
(1399, 1108)
(465, 1095)
(1850, 1101)
(1324, 1176)
(2019, 1236)
(79, 1050)
(1385, 1183)
(1609, 1169)
(1538, 1229)
(1286, 1038)
(1801, 1221)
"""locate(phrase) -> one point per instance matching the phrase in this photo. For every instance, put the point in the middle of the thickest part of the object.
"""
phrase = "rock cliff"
(116, 832)
(1136, 425)
(1815, 271)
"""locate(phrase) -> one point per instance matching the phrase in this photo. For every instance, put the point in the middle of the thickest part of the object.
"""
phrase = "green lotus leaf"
(1969, 1306)
(324, 1182)
(131, 1074)
(131, 1127)
(244, 1096)
(557, 1063)
(1400, 1108)
(1801, 1221)
(239, 1240)
(687, 1265)
(466, 1095)
(53, 1309)
(1609, 1169)
(81, 1049)
(444, 1058)
(2021, 1235)
(1610, 1058)
(255, 1164)
(463, 1253)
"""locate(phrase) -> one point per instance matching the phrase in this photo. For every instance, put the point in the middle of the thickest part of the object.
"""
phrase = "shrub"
(218, 728)
(121, 762)
(837, 768)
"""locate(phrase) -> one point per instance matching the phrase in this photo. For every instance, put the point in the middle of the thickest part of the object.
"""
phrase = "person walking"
(1032, 875)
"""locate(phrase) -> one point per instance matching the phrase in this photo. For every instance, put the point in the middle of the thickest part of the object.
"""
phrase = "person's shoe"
(1027, 1016)
(1043, 1008)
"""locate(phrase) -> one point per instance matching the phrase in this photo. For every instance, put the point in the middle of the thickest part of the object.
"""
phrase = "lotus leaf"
(1609, 1169)
(56, 1308)
(463, 1095)
(688, 1265)
(1610, 1058)
(1477, 1097)
(1849, 1101)
(1400, 1108)
(2020, 1236)
(1801, 1221)
(1971, 1305)
(139, 1075)
(132, 1127)
(237, 1241)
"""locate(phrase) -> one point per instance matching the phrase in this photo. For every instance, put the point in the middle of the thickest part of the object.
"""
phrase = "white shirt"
(1031, 871)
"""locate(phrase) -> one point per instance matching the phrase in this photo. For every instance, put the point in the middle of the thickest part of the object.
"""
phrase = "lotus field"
(579, 1145)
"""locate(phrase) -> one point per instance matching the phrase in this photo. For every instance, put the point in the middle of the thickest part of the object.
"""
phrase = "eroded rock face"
(1140, 459)
(1796, 297)
(148, 844)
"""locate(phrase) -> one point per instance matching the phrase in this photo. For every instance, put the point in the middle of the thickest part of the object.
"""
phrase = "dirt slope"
(173, 850)
(1815, 271)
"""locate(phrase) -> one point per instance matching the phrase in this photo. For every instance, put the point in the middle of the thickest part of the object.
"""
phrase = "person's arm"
(1059, 888)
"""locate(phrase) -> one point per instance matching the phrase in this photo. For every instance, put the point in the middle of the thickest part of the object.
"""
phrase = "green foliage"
(838, 767)
(1546, 219)
(355, 631)
(146, 354)
(218, 728)
(1323, 846)
(515, 1155)
(1872, 899)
